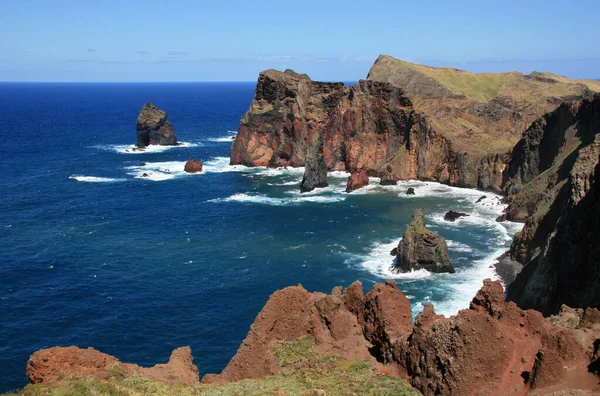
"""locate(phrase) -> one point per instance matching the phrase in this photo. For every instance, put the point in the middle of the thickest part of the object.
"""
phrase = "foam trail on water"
(159, 171)
(94, 179)
(265, 200)
(378, 261)
(224, 139)
(152, 149)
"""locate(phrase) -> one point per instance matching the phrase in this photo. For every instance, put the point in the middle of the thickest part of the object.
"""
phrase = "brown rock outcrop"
(357, 179)
(315, 171)
(420, 248)
(63, 363)
(193, 166)
(154, 128)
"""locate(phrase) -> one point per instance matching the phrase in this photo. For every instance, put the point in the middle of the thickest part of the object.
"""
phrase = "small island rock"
(193, 166)
(357, 179)
(154, 128)
(422, 249)
(452, 215)
(315, 170)
(410, 191)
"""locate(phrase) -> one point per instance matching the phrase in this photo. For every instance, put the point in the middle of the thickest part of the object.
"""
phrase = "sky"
(331, 40)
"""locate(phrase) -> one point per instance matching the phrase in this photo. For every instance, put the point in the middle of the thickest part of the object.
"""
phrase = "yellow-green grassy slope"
(307, 373)
(480, 113)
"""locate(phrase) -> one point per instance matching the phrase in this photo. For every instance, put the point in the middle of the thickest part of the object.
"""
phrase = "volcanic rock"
(452, 215)
(193, 166)
(410, 191)
(480, 199)
(154, 128)
(387, 180)
(357, 179)
(420, 248)
(63, 363)
(558, 159)
(315, 172)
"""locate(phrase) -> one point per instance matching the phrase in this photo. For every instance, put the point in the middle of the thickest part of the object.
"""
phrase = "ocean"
(94, 255)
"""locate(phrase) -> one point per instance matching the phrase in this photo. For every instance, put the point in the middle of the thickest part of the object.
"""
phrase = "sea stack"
(154, 128)
(421, 249)
(357, 179)
(315, 172)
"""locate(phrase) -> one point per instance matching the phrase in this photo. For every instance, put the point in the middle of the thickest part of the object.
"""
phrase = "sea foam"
(95, 179)
(151, 149)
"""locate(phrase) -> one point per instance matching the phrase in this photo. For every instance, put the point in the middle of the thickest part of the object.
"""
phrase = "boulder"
(420, 248)
(193, 166)
(357, 179)
(154, 128)
(410, 191)
(452, 215)
(387, 180)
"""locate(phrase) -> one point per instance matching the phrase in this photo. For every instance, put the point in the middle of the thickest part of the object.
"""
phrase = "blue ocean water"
(94, 255)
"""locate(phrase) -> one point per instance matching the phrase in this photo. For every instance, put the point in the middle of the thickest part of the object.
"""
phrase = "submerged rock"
(452, 215)
(357, 179)
(422, 249)
(154, 128)
(193, 166)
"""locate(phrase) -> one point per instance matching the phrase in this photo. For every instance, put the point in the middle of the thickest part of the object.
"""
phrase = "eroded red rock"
(193, 166)
(357, 179)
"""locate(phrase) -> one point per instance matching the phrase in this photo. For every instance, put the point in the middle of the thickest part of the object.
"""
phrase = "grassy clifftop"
(480, 113)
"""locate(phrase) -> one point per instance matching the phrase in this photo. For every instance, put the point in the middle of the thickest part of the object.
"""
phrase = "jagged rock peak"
(153, 127)
(420, 248)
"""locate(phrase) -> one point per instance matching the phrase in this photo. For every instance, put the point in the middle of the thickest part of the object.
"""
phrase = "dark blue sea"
(95, 255)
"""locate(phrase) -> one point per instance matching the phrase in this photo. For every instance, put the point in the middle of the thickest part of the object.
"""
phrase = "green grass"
(311, 373)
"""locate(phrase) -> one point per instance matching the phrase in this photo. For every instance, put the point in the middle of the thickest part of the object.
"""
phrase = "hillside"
(480, 113)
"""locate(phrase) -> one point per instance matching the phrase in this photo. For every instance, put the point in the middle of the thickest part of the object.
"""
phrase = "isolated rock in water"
(422, 249)
(387, 180)
(145, 175)
(410, 191)
(452, 215)
(357, 179)
(56, 364)
(154, 128)
(481, 199)
(193, 166)
(315, 171)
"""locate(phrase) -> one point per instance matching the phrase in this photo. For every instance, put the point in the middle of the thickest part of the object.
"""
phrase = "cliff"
(347, 342)
(558, 158)
(401, 123)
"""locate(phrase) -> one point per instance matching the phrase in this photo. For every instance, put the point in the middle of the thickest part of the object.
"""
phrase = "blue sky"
(186, 40)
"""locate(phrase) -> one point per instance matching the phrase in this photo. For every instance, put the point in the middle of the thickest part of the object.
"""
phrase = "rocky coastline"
(543, 154)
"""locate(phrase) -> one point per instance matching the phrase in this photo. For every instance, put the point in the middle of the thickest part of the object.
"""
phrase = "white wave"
(456, 246)
(94, 179)
(378, 261)
(263, 199)
(159, 171)
(224, 139)
(466, 283)
(152, 149)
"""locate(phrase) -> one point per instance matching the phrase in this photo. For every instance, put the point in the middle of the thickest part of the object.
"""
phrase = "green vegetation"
(311, 374)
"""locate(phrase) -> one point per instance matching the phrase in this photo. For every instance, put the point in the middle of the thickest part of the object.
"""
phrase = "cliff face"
(558, 157)
(371, 126)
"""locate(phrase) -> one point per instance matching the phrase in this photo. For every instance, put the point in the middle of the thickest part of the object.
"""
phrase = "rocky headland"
(493, 347)
(421, 248)
(153, 127)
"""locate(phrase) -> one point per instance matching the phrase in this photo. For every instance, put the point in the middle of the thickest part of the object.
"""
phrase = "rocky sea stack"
(421, 249)
(154, 128)
(315, 173)
(357, 179)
